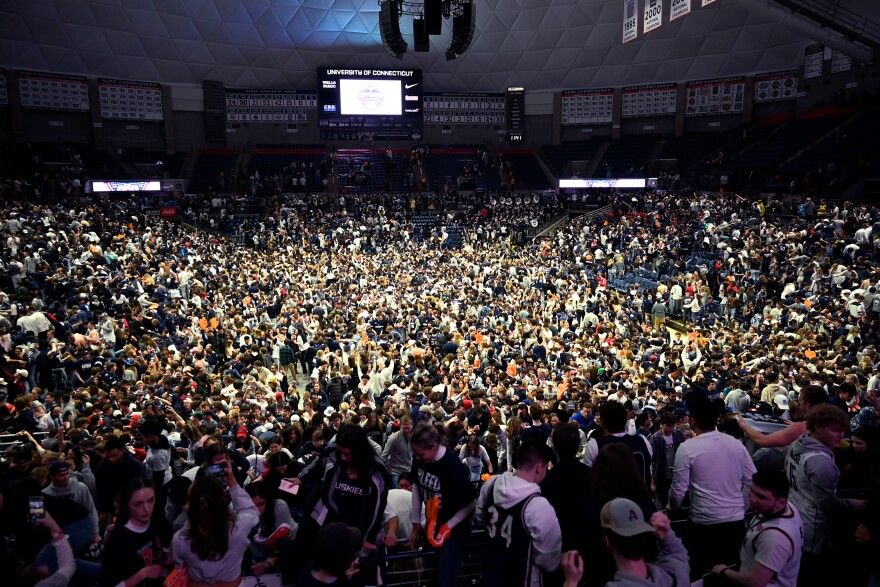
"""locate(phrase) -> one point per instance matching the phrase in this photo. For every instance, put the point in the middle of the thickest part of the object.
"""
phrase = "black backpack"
(334, 391)
(639, 449)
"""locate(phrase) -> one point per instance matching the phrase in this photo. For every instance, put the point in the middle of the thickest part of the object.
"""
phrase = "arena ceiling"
(542, 45)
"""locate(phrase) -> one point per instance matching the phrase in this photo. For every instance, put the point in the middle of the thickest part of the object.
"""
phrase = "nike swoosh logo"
(408, 86)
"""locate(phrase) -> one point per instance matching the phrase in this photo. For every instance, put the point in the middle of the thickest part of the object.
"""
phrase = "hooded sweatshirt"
(670, 569)
(538, 516)
(813, 476)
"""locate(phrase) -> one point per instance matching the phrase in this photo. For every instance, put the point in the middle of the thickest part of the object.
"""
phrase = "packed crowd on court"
(183, 408)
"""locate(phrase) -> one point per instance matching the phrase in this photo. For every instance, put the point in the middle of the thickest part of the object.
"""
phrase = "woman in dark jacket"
(353, 490)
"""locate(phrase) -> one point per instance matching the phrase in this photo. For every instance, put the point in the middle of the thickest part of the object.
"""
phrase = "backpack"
(334, 391)
(639, 449)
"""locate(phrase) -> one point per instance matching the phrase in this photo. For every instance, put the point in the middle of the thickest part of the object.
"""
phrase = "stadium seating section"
(277, 159)
(210, 164)
(626, 157)
(448, 162)
(561, 156)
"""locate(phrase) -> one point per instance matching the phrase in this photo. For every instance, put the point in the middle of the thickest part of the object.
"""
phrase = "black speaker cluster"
(427, 21)
(389, 26)
(463, 27)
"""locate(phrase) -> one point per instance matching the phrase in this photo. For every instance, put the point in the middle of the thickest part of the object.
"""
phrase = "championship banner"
(840, 62)
(128, 100)
(776, 86)
(587, 106)
(714, 96)
(651, 100)
(679, 8)
(4, 94)
(53, 91)
(814, 56)
(707, 2)
(653, 15)
(630, 20)
(269, 105)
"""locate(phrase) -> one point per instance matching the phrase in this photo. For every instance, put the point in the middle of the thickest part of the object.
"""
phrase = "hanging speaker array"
(428, 19)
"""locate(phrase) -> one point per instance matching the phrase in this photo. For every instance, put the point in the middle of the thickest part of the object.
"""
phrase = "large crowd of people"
(342, 386)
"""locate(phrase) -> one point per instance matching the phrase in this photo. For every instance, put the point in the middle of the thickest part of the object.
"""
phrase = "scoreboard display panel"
(370, 103)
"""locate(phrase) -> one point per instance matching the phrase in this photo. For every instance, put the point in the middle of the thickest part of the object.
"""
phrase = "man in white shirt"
(874, 381)
(35, 322)
(716, 470)
(676, 297)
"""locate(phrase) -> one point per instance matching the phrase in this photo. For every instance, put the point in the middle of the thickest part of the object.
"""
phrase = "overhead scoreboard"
(269, 106)
(464, 108)
(515, 113)
(364, 104)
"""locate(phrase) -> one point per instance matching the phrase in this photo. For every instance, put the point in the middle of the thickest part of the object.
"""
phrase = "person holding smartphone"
(63, 551)
(214, 540)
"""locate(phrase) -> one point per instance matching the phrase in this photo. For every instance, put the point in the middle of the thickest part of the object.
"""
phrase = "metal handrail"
(832, 12)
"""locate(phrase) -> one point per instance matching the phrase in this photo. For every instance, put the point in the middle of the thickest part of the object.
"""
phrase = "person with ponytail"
(442, 482)
(215, 538)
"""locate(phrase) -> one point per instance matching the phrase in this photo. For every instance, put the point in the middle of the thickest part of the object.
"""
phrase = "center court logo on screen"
(370, 98)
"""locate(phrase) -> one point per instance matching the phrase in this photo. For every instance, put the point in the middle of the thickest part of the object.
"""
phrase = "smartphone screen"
(37, 508)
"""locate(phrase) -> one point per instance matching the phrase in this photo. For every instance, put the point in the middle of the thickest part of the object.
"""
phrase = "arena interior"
(277, 274)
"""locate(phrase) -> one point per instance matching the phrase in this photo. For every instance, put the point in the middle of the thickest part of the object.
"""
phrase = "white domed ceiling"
(539, 44)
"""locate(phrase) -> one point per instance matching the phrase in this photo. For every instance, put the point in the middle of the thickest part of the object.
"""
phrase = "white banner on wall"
(652, 100)
(588, 106)
(630, 20)
(130, 100)
(714, 96)
(653, 15)
(776, 86)
(53, 91)
(707, 2)
(679, 8)
(813, 61)
(840, 62)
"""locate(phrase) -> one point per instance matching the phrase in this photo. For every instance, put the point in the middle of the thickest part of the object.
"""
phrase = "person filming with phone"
(214, 540)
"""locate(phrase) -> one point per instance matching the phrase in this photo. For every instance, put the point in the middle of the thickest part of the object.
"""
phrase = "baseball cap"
(57, 467)
(624, 517)
(242, 432)
(781, 401)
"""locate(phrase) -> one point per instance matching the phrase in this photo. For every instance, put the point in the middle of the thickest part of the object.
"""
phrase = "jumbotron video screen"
(359, 104)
